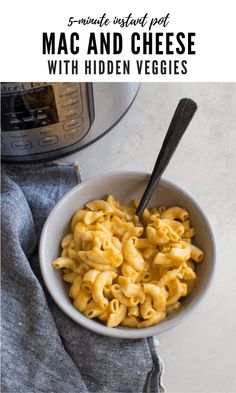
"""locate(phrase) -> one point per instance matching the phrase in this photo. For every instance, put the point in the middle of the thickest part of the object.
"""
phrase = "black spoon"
(179, 123)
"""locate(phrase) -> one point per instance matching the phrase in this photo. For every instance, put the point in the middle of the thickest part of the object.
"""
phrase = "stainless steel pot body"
(45, 121)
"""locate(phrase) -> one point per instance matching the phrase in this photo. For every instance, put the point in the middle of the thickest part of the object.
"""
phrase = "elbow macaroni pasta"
(124, 271)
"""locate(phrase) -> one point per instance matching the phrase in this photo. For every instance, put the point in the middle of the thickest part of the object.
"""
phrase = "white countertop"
(200, 354)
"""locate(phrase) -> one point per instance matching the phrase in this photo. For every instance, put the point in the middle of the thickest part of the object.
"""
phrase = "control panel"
(41, 117)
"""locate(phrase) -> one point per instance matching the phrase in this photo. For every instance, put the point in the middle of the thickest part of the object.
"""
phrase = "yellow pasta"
(128, 271)
(75, 287)
(157, 317)
(130, 322)
(119, 295)
(157, 295)
(133, 311)
(81, 300)
(62, 262)
(92, 310)
(102, 279)
(146, 309)
(116, 318)
(132, 255)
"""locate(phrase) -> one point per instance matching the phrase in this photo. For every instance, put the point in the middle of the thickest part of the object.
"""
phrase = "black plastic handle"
(179, 123)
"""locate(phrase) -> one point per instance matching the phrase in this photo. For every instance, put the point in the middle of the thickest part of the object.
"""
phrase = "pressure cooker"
(44, 121)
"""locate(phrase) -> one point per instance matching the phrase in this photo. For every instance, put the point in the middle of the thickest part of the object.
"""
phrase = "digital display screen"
(28, 109)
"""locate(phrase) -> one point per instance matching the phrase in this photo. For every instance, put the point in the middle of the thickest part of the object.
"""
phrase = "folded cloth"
(42, 349)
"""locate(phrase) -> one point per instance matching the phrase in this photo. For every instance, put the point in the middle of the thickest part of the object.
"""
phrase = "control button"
(70, 102)
(48, 140)
(45, 132)
(3, 146)
(69, 91)
(20, 135)
(27, 119)
(21, 145)
(71, 123)
(72, 112)
(73, 133)
(14, 121)
(42, 116)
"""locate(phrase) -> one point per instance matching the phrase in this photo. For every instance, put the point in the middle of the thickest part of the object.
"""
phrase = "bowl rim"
(128, 333)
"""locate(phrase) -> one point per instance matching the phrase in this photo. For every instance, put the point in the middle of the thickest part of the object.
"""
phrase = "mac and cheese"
(125, 271)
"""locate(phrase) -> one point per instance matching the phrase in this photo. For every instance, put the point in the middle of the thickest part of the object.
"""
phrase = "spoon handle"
(179, 123)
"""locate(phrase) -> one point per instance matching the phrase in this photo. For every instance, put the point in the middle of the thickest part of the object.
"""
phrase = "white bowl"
(125, 186)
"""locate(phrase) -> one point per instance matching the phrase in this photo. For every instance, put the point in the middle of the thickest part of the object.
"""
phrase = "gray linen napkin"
(42, 349)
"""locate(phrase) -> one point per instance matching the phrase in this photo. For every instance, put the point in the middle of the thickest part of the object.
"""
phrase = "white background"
(22, 24)
(199, 355)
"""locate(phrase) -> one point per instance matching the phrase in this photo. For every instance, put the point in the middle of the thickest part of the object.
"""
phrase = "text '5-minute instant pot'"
(45, 121)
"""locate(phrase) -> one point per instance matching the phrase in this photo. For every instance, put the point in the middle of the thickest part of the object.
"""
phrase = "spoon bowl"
(125, 186)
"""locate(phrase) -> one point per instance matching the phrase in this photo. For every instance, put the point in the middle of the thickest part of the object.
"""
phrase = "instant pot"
(44, 121)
